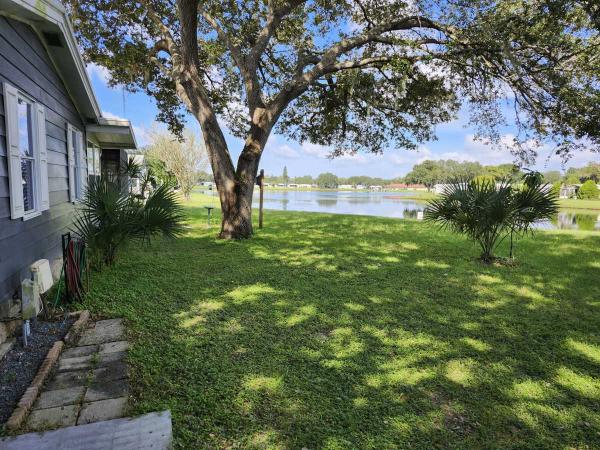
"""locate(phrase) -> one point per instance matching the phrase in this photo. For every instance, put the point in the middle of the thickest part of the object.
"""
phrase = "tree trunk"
(236, 189)
(236, 208)
(235, 184)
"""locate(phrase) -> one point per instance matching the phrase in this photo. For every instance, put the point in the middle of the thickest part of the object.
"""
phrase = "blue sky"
(455, 141)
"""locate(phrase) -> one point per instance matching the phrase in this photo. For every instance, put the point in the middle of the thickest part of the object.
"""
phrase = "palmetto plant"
(109, 217)
(489, 212)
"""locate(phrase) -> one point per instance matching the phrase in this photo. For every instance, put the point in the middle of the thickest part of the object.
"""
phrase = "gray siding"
(25, 64)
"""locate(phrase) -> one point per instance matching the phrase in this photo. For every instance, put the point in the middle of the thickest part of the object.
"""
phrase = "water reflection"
(327, 202)
(410, 213)
(576, 221)
(390, 204)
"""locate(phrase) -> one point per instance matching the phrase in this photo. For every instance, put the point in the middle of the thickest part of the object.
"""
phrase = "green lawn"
(331, 331)
(574, 203)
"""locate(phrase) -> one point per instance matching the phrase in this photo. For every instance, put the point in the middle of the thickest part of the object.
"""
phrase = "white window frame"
(41, 203)
(77, 163)
(93, 159)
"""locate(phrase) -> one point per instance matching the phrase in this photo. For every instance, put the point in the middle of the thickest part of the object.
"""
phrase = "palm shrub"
(108, 217)
(488, 212)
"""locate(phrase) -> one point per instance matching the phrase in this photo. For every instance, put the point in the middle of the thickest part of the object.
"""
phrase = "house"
(293, 186)
(52, 136)
(376, 187)
(345, 186)
(404, 186)
(305, 186)
(568, 190)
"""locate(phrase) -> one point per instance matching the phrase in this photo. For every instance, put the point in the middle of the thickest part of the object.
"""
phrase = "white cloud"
(551, 161)
(489, 154)
(99, 72)
(410, 157)
(319, 151)
(324, 152)
(109, 115)
(285, 151)
(142, 135)
(357, 158)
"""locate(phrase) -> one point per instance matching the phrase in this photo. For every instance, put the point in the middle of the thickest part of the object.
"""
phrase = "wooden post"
(260, 183)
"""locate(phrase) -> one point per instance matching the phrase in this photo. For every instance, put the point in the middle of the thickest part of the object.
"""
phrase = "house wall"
(25, 64)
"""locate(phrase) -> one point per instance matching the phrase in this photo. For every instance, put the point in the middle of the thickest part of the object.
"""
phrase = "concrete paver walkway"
(87, 398)
(90, 383)
(151, 431)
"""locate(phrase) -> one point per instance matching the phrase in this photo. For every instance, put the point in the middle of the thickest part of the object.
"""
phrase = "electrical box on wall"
(42, 276)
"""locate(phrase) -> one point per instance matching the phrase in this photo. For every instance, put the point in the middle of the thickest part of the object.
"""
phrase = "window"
(25, 124)
(93, 159)
(27, 154)
(77, 166)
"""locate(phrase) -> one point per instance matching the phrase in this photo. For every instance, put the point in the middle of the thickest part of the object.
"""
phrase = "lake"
(389, 204)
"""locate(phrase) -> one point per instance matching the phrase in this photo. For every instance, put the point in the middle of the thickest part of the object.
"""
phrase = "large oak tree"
(356, 75)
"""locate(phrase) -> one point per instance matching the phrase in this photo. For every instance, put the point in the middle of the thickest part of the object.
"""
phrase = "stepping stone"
(102, 410)
(151, 431)
(108, 358)
(67, 380)
(104, 391)
(78, 363)
(110, 347)
(76, 352)
(109, 323)
(100, 335)
(59, 397)
(62, 416)
(111, 372)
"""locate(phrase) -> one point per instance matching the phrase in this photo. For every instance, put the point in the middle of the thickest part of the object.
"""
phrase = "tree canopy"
(183, 160)
(327, 180)
(360, 73)
(444, 171)
(588, 190)
(357, 75)
(590, 171)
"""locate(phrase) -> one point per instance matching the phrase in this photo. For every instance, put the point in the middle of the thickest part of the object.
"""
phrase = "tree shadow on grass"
(353, 332)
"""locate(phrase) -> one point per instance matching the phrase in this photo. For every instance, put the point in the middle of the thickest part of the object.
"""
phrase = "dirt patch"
(453, 419)
(20, 365)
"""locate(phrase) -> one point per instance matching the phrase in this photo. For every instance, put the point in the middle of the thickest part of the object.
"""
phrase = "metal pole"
(260, 210)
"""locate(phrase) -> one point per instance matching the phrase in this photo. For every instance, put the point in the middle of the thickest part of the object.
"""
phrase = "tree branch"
(327, 62)
(365, 62)
(274, 19)
(248, 70)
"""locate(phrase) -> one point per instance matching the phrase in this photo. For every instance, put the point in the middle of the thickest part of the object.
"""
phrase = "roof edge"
(53, 12)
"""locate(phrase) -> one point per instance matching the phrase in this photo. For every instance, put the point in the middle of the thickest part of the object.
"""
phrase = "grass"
(330, 331)
(413, 195)
(574, 203)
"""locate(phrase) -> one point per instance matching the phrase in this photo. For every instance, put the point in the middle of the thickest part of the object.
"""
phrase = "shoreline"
(577, 205)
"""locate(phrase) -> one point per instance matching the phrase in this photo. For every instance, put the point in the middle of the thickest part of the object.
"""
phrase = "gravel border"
(27, 400)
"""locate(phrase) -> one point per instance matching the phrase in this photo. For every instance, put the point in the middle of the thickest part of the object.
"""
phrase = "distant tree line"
(430, 173)
(330, 180)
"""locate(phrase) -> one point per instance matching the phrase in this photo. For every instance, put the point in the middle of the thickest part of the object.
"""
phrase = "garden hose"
(73, 270)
